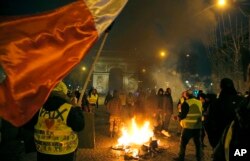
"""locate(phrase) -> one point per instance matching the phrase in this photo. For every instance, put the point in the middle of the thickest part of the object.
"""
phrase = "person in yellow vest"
(55, 131)
(92, 100)
(191, 123)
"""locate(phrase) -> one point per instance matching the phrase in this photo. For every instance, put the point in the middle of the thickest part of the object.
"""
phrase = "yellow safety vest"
(52, 135)
(93, 99)
(228, 138)
(193, 118)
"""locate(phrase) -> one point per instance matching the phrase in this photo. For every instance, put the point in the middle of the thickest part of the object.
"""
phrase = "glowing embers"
(131, 153)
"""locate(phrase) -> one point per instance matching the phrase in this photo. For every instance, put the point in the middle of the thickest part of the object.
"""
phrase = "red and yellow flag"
(38, 51)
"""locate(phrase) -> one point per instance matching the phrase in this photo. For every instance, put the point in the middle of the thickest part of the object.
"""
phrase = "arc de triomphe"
(115, 73)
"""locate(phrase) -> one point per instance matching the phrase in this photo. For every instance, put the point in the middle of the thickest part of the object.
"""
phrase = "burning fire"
(136, 135)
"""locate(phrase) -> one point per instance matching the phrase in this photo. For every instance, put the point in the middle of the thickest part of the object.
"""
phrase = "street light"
(84, 68)
(221, 2)
(238, 3)
(162, 54)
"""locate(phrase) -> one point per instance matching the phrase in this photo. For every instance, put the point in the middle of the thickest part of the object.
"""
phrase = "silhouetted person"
(114, 107)
(222, 112)
(108, 98)
(236, 136)
(209, 99)
(168, 109)
(160, 107)
(130, 101)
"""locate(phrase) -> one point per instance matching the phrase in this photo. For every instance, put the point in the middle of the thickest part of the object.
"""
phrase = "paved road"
(104, 152)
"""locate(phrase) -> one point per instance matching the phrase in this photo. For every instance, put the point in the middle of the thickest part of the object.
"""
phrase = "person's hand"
(175, 117)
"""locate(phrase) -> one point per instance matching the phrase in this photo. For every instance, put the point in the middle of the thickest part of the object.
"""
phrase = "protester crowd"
(223, 118)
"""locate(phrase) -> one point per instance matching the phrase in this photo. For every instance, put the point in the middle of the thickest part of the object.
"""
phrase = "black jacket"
(221, 114)
(240, 135)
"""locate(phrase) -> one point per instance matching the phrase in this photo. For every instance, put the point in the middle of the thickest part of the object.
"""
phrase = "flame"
(136, 135)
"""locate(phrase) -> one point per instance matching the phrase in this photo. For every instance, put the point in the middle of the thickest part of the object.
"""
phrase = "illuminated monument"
(115, 73)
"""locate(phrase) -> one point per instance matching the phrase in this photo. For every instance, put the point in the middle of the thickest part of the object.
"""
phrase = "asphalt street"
(168, 146)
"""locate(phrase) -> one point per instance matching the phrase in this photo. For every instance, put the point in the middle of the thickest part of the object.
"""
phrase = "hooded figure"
(222, 111)
(227, 88)
(235, 136)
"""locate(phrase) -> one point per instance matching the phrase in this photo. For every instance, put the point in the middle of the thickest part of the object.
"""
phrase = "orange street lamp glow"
(163, 54)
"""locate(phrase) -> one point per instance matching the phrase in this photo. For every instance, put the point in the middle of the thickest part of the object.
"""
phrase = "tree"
(227, 46)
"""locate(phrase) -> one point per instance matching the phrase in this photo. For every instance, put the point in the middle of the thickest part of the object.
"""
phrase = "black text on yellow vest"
(193, 119)
(52, 135)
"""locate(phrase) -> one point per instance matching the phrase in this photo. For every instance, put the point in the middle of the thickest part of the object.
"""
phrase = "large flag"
(39, 50)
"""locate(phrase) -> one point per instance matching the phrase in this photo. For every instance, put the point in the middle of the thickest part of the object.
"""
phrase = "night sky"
(150, 25)
(146, 27)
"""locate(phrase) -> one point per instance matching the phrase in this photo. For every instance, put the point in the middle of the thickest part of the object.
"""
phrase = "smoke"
(169, 78)
(151, 25)
(145, 27)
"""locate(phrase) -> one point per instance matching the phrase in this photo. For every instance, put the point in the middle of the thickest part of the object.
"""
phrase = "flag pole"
(92, 68)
